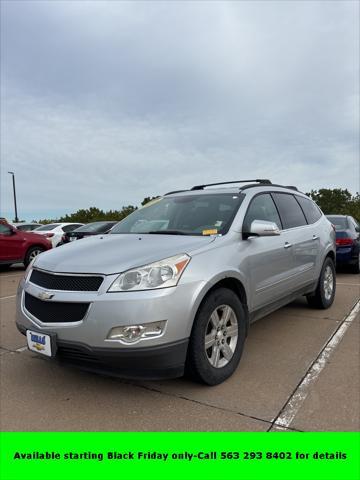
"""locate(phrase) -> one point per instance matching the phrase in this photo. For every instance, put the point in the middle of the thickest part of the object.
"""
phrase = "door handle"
(287, 245)
(315, 237)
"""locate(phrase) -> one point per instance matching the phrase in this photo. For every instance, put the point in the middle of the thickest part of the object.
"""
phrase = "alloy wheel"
(34, 254)
(328, 282)
(221, 336)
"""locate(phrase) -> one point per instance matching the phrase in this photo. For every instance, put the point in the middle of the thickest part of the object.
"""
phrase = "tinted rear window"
(289, 209)
(311, 211)
(340, 223)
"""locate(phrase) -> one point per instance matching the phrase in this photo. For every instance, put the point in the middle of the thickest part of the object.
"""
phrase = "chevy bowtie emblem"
(45, 295)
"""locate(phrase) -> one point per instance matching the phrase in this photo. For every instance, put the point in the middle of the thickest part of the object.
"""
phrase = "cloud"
(104, 103)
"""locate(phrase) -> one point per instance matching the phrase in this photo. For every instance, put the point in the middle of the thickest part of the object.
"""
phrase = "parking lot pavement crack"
(209, 405)
(302, 389)
(16, 350)
(6, 350)
(299, 315)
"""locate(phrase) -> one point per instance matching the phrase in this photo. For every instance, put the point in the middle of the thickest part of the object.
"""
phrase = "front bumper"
(85, 343)
(146, 363)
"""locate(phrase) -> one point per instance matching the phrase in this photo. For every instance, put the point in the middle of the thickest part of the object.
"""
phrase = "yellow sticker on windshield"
(210, 232)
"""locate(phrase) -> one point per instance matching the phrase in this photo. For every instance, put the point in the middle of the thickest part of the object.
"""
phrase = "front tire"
(324, 294)
(5, 267)
(217, 338)
(31, 254)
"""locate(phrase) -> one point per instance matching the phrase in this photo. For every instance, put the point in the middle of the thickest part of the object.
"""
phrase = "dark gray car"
(177, 283)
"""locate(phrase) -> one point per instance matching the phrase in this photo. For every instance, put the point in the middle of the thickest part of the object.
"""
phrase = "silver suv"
(176, 284)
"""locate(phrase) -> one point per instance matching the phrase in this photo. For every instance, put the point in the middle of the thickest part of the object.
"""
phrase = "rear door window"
(290, 212)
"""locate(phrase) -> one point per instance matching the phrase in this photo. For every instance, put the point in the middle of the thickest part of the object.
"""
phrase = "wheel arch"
(32, 246)
(230, 282)
(331, 254)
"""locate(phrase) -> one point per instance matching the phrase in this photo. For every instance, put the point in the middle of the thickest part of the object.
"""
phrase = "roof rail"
(260, 181)
(252, 185)
(175, 191)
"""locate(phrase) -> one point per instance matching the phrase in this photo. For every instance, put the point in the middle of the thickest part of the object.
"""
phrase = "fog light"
(134, 333)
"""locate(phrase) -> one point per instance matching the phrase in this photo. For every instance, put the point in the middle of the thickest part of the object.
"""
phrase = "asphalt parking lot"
(299, 371)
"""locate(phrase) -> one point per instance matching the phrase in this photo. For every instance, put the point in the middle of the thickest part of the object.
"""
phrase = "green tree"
(94, 214)
(337, 201)
(148, 199)
(354, 207)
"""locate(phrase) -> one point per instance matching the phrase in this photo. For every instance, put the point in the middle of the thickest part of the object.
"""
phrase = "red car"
(19, 247)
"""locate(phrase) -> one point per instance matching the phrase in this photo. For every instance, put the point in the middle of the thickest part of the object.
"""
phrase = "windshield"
(207, 214)
(45, 228)
(95, 227)
(340, 223)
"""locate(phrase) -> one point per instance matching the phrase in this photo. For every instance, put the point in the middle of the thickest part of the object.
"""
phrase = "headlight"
(165, 273)
(29, 270)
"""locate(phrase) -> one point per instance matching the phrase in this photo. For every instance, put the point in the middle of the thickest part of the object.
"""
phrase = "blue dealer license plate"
(39, 343)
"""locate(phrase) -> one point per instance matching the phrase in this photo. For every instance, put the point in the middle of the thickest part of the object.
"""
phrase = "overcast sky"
(104, 103)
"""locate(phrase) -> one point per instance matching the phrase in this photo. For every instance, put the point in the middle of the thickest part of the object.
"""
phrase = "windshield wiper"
(168, 232)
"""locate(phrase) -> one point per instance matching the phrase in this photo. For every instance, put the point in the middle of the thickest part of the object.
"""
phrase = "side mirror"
(261, 228)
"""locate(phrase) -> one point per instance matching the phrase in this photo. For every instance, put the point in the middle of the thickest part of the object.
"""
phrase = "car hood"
(32, 237)
(116, 253)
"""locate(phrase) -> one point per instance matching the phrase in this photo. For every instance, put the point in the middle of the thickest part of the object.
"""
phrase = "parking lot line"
(21, 349)
(10, 296)
(289, 411)
(13, 275)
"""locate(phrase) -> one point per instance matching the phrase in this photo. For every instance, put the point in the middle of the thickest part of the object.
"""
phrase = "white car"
(55, 231)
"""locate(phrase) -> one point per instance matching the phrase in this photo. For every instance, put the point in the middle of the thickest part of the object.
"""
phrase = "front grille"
(55, 312)
(76, 283)
(75, 354)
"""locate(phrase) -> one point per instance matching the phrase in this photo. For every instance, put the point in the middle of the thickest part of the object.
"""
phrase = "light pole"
(13, 180)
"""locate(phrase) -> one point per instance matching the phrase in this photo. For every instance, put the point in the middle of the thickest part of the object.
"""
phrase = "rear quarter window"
(310, 209)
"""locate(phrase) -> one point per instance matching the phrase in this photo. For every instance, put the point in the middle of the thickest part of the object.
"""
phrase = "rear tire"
(217, 338)
(355, 267)
(31, 254)
(324, 294)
